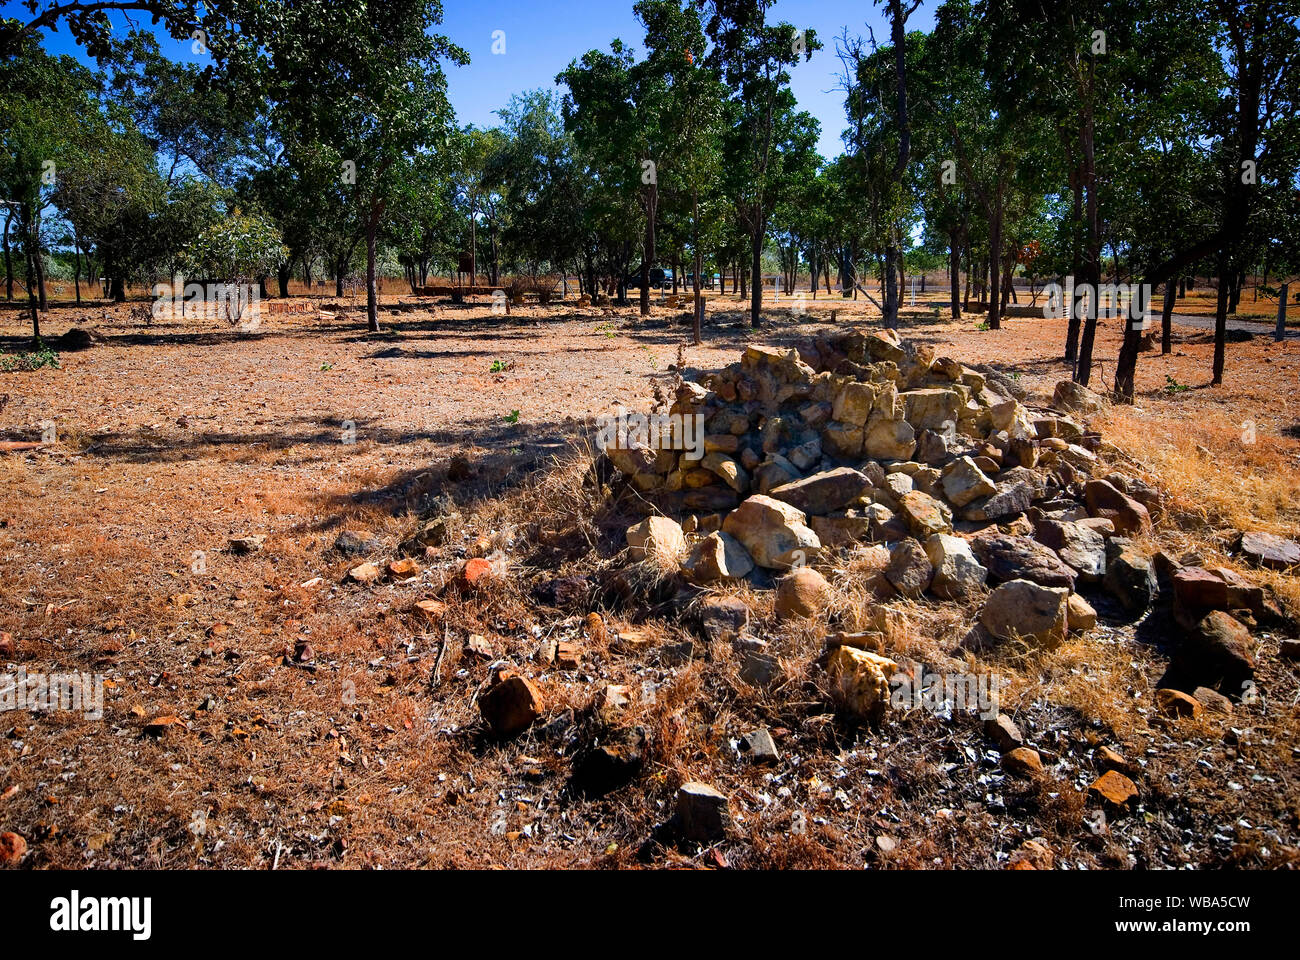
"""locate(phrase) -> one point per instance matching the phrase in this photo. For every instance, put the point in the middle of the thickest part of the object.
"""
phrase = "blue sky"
(542, 36)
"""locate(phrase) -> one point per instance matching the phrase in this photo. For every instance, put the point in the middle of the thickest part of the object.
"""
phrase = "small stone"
(430, 610)
(957, 574)
(403, 568)
(1114, 788)
(364, 573)
(1289, 650)
(703, 814)
(8, 646)
(474, 574)
(353, 544)
(723, 618)
(719, 556)
(1109, 759)
(568, 656)
(1004, 733)
(1080, 614)
(964, 481)
(759, 746)
(12, 848)
(802, 593)
(657, 538)
(1022, 762)
(824, 492)
(245, 545)
(1175, 703)
(1129, 516)
(611, 764)
(1130, 576)
(909, 570)
(480, 646)
(1213, 700)
(860, 681)
(773, 532)
(511, 704)
(924, 515)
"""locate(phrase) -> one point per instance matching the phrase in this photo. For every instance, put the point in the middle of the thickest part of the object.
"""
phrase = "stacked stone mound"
(864, 438)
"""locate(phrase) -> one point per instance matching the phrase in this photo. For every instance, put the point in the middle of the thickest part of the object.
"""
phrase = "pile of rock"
(865, 438)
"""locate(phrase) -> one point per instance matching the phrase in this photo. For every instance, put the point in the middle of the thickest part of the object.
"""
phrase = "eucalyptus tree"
(769, 139)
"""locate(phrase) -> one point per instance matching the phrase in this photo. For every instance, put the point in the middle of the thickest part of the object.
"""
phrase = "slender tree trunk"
(32, 304)
(9, 268)
(372, 292)
(756, 290)
(76, 270)
(698, 322)
(1221, 317)
(954, 274)
(647, 261)
(1280, 333)
(1167, 317)
(995, 256)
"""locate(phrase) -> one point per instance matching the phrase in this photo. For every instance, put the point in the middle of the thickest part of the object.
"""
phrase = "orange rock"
(1115, 788)
(430, 609)
(7, 645)
(1022, 762)
(403, 568)
(12, 849)
(474, 574)
(1175, 703)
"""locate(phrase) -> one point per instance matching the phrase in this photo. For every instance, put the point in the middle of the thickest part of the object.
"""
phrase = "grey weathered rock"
(1078, 546)
(1130, 576)
(773, 532)
(1020, 558)
(719, 556)
(964, 482)
(957, 574)
(909, 570)
(1270, 550)
(759, 746)
(1021, 609)
(824, 492)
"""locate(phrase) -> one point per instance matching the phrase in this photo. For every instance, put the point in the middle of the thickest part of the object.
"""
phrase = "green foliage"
(239, 247)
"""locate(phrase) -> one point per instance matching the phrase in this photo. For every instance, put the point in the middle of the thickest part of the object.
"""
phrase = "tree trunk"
(1167, 318)
(647, 260)
(31, 295)
(1280, 333)
(1221, 318)
(954, 275)
(756, 265)
(372, 293)
(9, 268)
(282, 275)
(995, 258)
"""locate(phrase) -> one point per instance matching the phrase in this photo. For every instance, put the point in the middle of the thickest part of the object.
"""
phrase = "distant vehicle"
(658, 278)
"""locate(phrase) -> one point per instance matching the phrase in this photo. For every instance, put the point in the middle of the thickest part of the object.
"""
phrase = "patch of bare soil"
(264, 707)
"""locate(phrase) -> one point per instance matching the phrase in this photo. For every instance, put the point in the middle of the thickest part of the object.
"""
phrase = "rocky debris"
(723, 618)
(253, 543)
(8, 646)
(1080, 614)
(963, 482)
(657, 538)
(957, 574)
(824, 492)
(1004, 733)
(352, 544)
(403, 569)
(13, 847)
(1080, 547)
(703, 814)
(1020, 558)
(1104, 500)
(773, 532)
(719, 556)
(1130, 575)
(1071, 397)
(759, 746)
(611, 764)
(433, 532)
(1114, 788)
(1289, 650)
(909, 570)
(924, 515)
(511, 703)
(365, 573)
(1213, 700)
(1217, 653)
(1270, 550)
(801, 593)
(1028, 611)
(473, 575)
(565, 593)
(1175, 703)
(860, 681)
(1022, 762)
